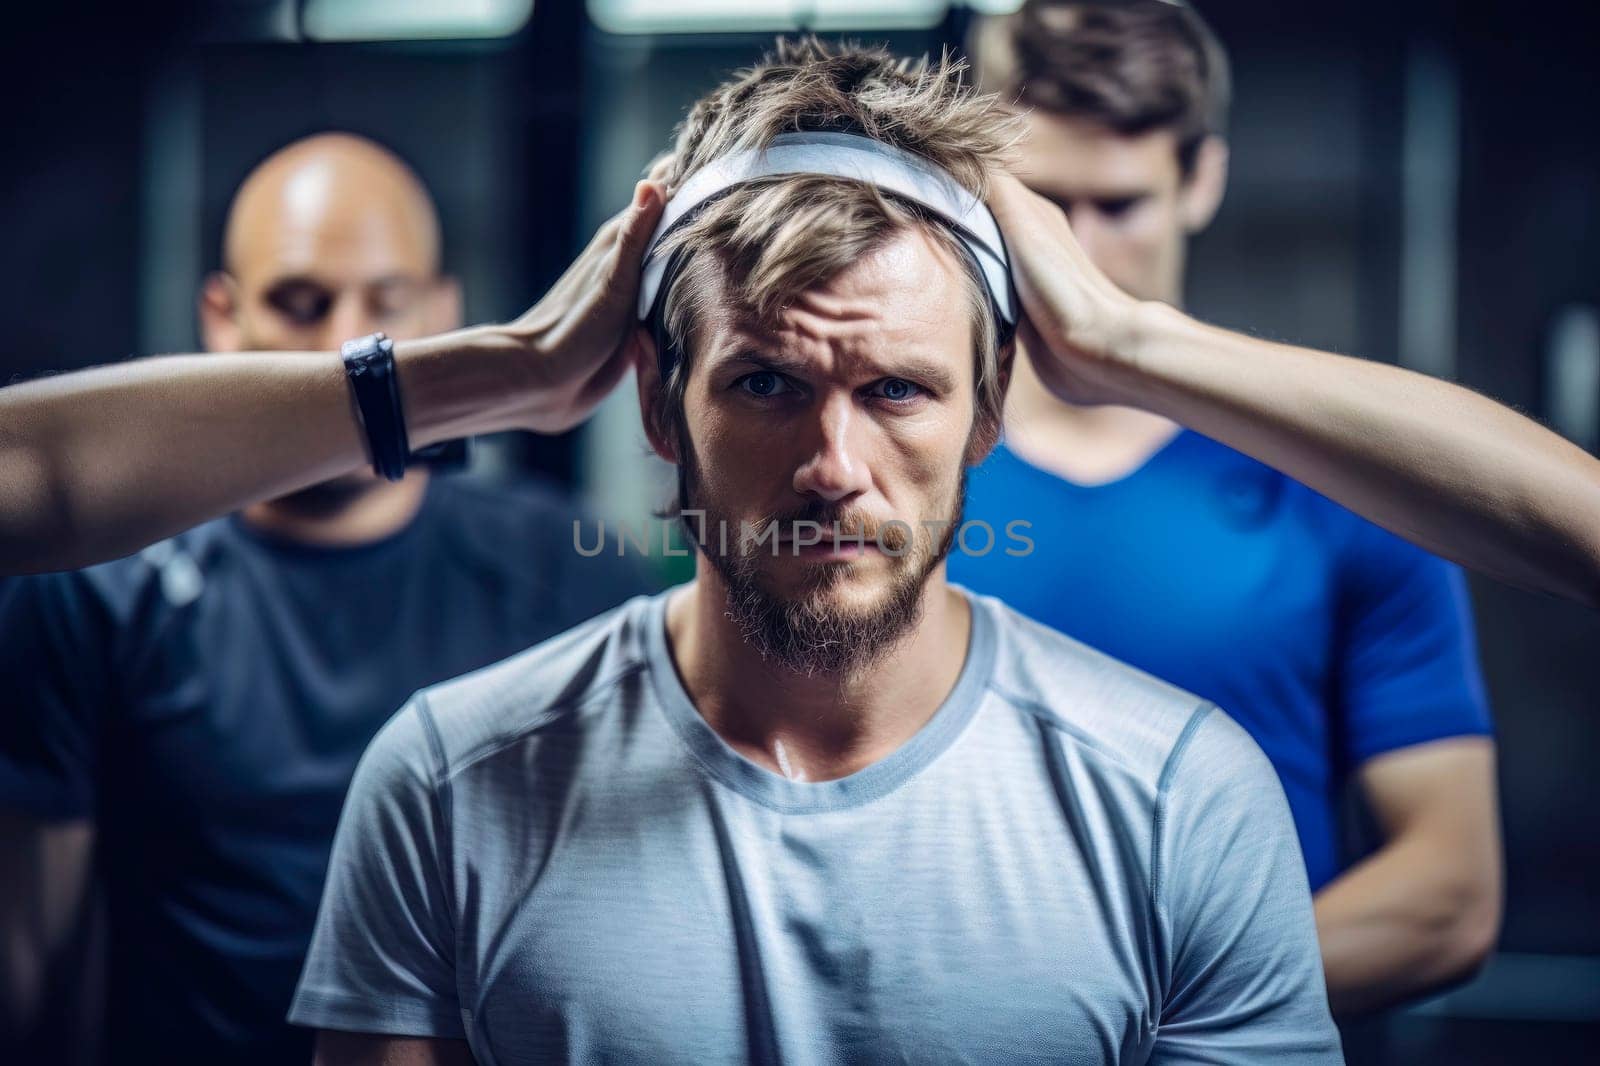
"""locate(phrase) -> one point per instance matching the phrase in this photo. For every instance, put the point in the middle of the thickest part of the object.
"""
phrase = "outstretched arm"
(1438, 464)
(99, 463)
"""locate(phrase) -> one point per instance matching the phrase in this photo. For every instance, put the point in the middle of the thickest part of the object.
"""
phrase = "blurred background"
(1413, 181)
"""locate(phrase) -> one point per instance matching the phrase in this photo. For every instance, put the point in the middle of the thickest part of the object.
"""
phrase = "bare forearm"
(1394, 927)
(1453, 471)
(99, 463)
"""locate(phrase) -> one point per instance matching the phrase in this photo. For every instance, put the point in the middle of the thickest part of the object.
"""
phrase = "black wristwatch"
(375, 385)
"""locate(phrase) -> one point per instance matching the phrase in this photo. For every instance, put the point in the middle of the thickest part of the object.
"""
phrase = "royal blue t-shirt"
(205, 703)
(1330, 640)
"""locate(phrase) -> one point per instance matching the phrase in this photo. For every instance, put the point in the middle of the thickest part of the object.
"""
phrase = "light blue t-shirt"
(557, 859)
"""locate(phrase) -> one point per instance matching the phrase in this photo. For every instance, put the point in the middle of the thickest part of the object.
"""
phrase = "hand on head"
(582, 332)
(1075, 320)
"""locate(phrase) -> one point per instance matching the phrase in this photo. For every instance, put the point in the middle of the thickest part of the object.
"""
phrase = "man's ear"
(1202, 189)
(652, 394)
(218, 309)
(1006, 356)
(442, 311)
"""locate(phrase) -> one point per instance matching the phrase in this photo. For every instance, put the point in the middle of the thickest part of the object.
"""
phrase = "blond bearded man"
(818, 805)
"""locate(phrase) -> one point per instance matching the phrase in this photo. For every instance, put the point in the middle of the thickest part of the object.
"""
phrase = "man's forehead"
(907, 290)
(800, 339)
(1093, 160)
(334, 249)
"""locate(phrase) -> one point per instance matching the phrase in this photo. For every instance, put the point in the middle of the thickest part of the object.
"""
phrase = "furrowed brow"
(929, 372)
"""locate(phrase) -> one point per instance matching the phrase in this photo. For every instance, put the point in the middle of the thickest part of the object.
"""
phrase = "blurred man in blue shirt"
(1343, 650)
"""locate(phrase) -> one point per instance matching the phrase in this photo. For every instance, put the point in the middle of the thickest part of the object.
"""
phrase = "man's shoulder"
(1099, 704)
(555, 681)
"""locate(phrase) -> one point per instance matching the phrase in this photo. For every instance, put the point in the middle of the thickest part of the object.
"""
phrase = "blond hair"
(771, 239)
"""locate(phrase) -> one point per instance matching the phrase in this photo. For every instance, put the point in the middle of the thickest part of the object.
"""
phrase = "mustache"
(851, 522)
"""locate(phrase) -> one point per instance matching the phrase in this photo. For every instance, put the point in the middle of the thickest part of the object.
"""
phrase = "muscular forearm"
(1399, 925)
(99, 463)
(1438, 464)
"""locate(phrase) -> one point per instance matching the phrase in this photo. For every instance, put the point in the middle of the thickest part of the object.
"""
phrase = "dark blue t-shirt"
(1330, 640)
(205, 703)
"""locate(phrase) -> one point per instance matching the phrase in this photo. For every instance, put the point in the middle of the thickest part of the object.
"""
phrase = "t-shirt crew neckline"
(1173, 445)
(342, 554)
(773, 790)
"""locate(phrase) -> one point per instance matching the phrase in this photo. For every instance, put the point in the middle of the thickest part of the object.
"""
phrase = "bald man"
(332, 237)
(181, 725)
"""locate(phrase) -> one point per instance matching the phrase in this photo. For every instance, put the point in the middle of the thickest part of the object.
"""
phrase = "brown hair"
(770, 239)
(1132, 65)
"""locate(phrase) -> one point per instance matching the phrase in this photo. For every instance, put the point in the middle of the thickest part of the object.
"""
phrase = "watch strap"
(375, 385)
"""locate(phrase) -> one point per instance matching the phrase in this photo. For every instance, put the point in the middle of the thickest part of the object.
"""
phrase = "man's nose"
(835, 469)
(1089, 229)
(348, 317)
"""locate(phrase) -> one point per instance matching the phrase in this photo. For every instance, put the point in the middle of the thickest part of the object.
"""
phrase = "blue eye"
(898, 390)
(763, 384)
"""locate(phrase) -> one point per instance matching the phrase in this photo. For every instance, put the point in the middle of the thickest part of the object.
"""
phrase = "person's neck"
(339, 516)
(1085, 445)
(822, 726)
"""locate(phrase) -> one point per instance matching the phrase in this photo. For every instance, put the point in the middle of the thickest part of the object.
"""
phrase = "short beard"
(808, 633)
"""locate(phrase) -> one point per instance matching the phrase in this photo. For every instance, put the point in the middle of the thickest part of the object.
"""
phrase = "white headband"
(845, 155)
